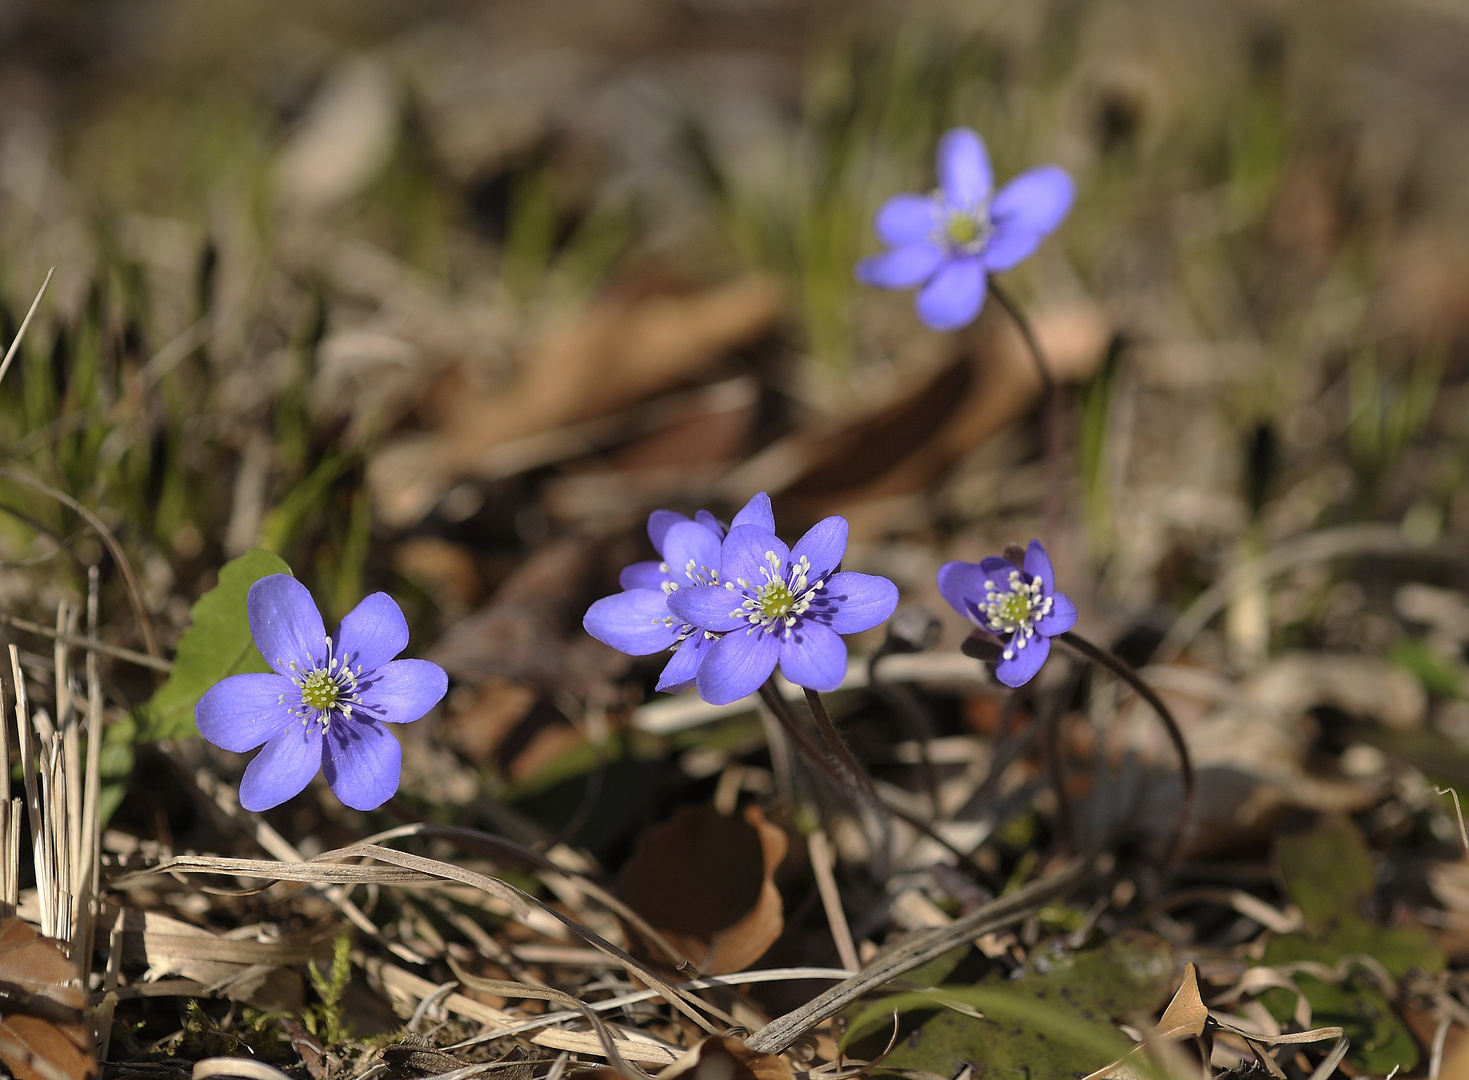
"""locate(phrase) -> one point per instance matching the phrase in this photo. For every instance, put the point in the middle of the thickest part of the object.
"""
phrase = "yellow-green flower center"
(777, 602)
(1014, 608)
(964, 229)
(320, 690)
(776, 599)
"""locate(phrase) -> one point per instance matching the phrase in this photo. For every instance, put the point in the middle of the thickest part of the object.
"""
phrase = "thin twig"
(1124, 671)
(91, 644)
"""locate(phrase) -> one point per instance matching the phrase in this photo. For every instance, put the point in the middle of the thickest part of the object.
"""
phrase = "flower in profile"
(948, 242)
(324, 705)
(1019, 603)
(778, 605)
(638, 621)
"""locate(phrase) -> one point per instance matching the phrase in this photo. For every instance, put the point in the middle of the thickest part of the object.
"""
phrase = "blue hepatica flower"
(1018, 603)
(949, 241)
(324, 706)
(638, 621)
(773, 604)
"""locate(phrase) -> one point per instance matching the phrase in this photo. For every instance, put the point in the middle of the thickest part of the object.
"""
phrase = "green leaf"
(1051, 1021)
(1327, 871)
(215, 646)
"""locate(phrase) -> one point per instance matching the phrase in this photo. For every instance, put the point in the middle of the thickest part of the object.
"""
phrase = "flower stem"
(1125, 671)
(1051, 405)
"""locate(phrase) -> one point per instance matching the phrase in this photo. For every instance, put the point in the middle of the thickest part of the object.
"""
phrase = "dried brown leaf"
(617, 352)
(44, 1030)
(705, 880)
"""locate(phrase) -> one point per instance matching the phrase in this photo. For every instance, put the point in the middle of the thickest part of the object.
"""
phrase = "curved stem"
(1125, 671)
(1051, 407)
(1037, 354)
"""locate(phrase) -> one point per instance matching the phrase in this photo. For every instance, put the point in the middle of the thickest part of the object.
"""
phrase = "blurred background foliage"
(295, 241)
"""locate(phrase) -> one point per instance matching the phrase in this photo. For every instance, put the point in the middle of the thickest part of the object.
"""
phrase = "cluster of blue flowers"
(730, 605)
(734, 605)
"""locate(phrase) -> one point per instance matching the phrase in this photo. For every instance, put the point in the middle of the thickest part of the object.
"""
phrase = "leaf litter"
(446, 302)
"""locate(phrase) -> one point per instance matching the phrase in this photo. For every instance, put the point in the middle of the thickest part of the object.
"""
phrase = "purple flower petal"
(824, 545)
(678, 673)
(402, 691)
(364, 763)
(901, 267)
(1036, 201)
(961, 583)
(744, 557)
(642, 575)
(1061, 619)
(372, 633)
(709, 607)
(1021, 668)
(1008, 247)
(1038, 565)
(813, 656)
(243, 711)
(710, 522)
(756, 512)
(954, 296)
(691, 553)
(659, 522)
(736, 666)
(964, 169)
(635, 622)
(907, 219)
(285, 623)
(283, 769)
(860, 601)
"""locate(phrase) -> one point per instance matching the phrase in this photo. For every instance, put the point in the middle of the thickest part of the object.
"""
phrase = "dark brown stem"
(1125, 671)
(846, 773)
(1037, 354)
(1051, 408)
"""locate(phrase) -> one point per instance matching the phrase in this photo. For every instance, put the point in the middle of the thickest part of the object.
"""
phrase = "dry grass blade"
(473, 839)
(780, 1033)
(560, 997)
(684, 1003)
(743, 978)
(230, 1066)
(91, 644)
(119, 557)
(25, 323)
(407, 869)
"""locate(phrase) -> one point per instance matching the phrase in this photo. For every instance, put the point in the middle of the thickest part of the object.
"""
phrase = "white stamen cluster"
(1014, 611)
(696, 575)
(780, 599)
(326, 693)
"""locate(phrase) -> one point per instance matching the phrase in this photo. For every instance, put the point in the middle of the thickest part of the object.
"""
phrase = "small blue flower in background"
(1020, 603)
(773, 604)
(638, 621)
(949, 241)
(324, 707)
